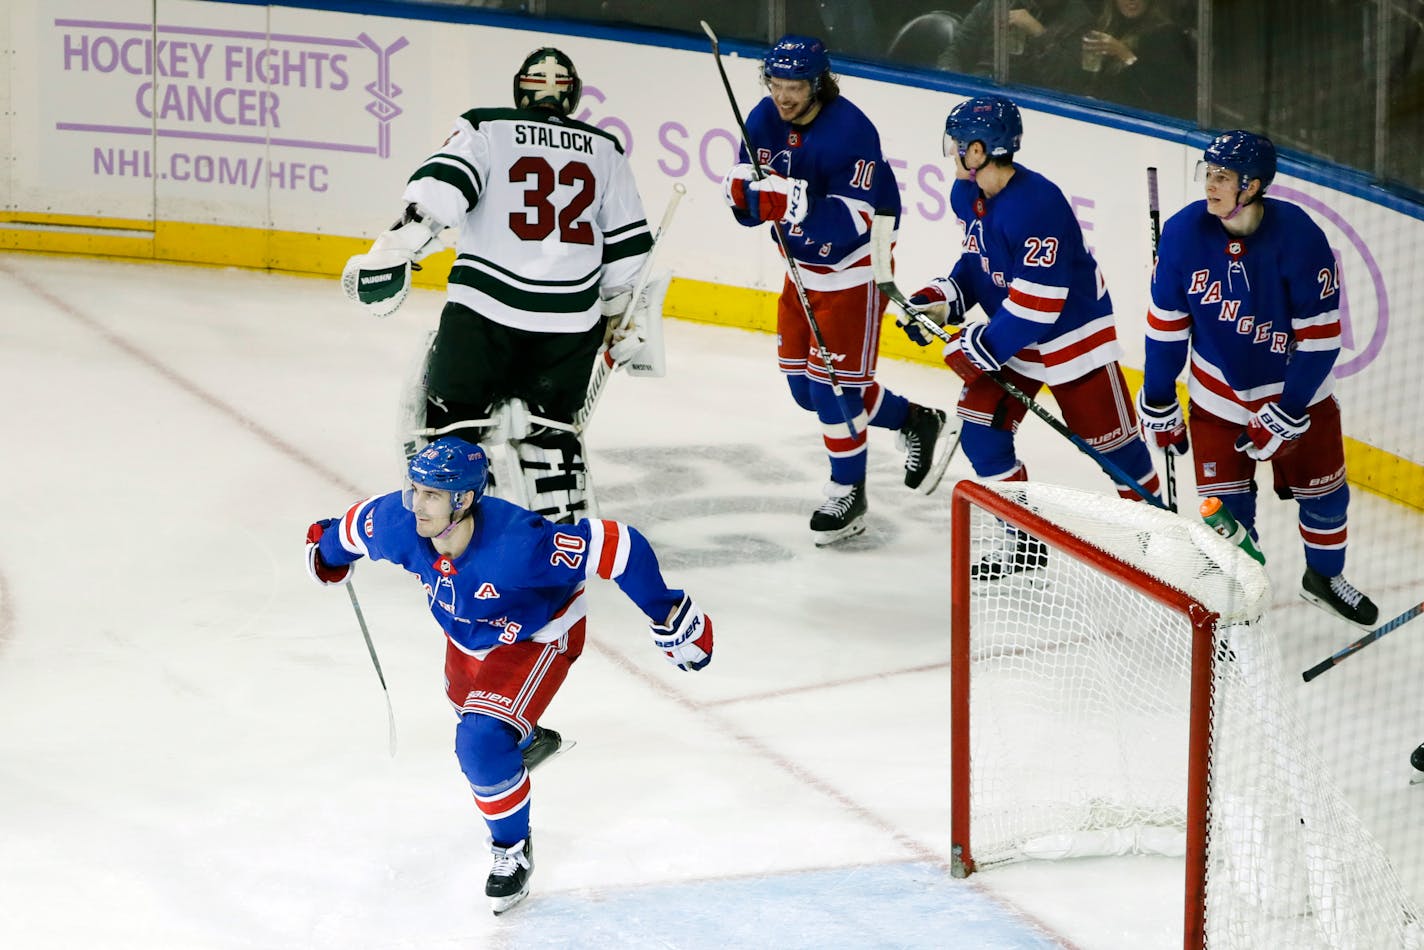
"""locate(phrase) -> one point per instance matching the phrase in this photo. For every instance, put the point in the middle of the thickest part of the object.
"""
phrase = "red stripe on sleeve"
(608, 554)
(348, 535)
(1041, 304)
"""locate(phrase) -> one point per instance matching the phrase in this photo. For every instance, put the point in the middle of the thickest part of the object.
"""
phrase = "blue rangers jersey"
(1261, 313)
(521, 577)
(1024, 262)
(838, 154)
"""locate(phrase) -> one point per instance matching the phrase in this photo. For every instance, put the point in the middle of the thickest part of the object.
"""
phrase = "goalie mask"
(547, 80)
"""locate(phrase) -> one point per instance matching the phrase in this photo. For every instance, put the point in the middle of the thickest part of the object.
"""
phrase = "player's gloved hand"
(320, 571)
(686, 638)
(969, 356)
(734, 185)
(1162, 426)
(773, 198)
(622, 337)
(1271, 432)
(380, 279)
(941, 301)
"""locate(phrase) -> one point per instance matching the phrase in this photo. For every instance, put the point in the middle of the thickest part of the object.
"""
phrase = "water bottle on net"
(1217, 515)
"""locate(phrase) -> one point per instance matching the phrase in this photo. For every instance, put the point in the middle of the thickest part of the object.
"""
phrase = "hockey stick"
(371, 649)
(605, 364)
(882, 265)
(822, 351)
(1154, 214)
(1363, 642)
(1106, 464)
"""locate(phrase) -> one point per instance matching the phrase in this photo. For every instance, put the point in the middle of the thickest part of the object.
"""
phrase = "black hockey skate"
(1416, 759)
(1339, 597)
(508, 881)
(543, 745)
(841, 515)
(918, 437)
(1022, 552)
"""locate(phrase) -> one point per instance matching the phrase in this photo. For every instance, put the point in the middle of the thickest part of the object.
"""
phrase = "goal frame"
(1203, 622)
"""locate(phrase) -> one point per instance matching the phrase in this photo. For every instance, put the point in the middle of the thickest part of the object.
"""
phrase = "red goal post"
(1127, 696)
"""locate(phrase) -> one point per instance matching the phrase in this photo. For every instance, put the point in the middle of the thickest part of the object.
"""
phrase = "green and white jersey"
(547, 212)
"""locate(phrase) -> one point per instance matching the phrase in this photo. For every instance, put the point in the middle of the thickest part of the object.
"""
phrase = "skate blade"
(501, 905)
(823, 538)
(1324, 605)
(950, 436)
(1417, 778)
(564, 746)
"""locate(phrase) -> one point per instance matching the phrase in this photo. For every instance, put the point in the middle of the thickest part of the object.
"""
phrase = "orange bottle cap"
(1210, 507)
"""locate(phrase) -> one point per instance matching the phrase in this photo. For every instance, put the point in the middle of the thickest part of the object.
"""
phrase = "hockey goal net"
(1124, 694)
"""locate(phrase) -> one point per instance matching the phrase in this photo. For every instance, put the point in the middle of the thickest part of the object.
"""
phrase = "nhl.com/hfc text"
(253, 173)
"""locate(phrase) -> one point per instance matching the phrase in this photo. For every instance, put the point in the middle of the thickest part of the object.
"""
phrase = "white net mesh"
(1079, 697)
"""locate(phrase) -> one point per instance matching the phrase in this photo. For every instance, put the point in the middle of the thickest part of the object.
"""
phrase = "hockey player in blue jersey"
(1024, 262)
(1250, 286)
(825, 179)
(507, 587)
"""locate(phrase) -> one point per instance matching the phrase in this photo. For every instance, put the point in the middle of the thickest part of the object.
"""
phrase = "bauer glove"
(686, 638)
(1271, 432)
(1162, 426)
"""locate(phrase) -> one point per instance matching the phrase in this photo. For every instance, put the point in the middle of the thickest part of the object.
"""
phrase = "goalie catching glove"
(686, 638)
(320, 571)
(941, 301)
(380, 279)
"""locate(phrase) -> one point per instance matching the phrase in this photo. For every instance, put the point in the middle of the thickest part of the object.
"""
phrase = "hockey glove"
(941, 301)
(773, 198)
(320, 571)
(1271, 432)
(1162, 426)
(686, 638)
(380, 279)
(622, 336)
(969, 356)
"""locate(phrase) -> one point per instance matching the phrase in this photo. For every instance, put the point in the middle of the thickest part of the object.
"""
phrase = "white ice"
(193, 740)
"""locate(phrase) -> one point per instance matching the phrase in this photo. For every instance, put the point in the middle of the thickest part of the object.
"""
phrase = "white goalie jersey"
(547, 212)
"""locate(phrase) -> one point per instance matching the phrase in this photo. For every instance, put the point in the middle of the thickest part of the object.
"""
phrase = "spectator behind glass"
(1043, 44)
(1140, 57)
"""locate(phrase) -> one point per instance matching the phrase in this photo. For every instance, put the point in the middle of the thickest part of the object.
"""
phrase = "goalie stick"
(371, 649)
(822, 351)
(604, 364)
(880, 236)
(1154, 215)
(1363, 642)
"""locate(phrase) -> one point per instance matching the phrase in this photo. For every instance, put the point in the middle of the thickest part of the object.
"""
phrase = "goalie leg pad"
(554, 470)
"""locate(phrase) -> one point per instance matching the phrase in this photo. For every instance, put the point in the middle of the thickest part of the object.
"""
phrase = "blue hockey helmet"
(448, 464)
(547, 79)
(1251, 156)
(993, 120)
(797, 57)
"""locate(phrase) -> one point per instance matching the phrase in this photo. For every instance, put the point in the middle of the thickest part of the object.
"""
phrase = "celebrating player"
(507, 587)
(824, 178)
(1250, 285)
(551, 237)
(1050, 317)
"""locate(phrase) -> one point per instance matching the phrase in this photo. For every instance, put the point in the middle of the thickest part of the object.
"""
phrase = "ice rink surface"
(193, 740)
